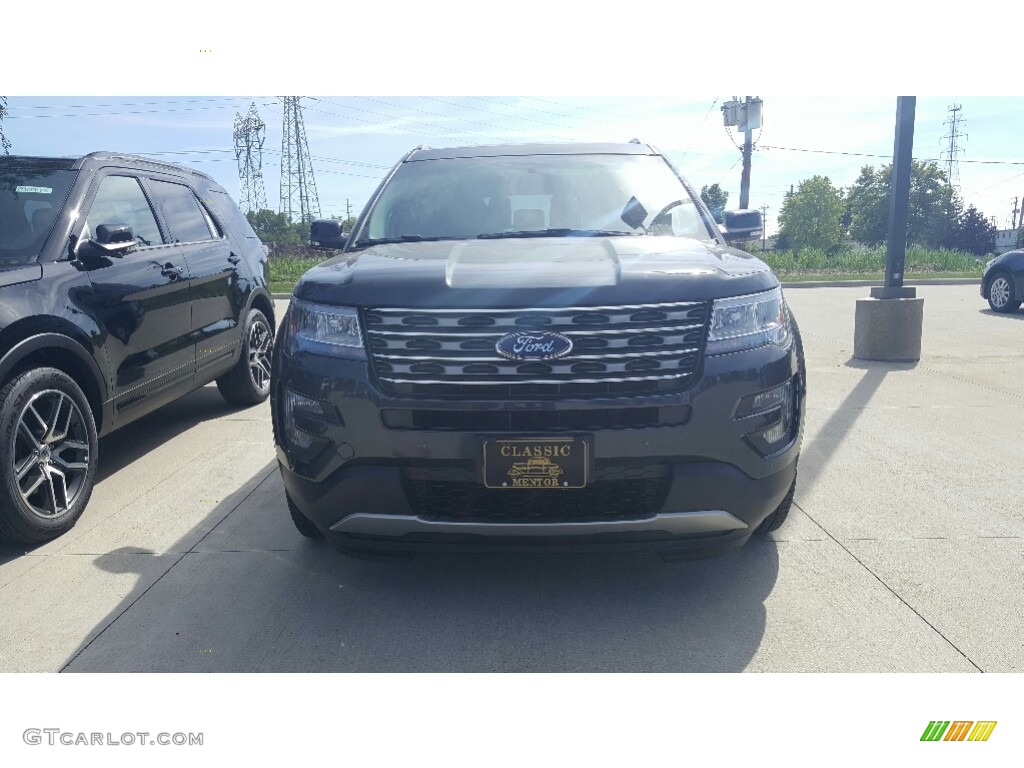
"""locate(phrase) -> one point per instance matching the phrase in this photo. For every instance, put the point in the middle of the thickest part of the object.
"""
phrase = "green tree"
(810, 217)
(5, 143)
(974, 233)
(276, 230)
(933, 212)
(715, 198)
(347, 224)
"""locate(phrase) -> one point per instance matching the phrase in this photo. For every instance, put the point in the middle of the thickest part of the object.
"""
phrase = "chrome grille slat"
(572, 359)
(441, 350)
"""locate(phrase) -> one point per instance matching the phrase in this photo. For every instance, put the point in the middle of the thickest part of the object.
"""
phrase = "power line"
(392, 117)
(115, 114)
(630, 118)
(697, 132)
(511, 106)
(131, 103)
(435, 114)
(889, 157)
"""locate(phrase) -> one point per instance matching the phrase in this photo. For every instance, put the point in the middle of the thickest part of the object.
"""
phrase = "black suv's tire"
(248, 383)
(1001, 292)
(775, 520)
(48, 455)
(302, 523)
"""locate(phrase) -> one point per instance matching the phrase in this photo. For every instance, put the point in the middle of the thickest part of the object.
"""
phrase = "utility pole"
(299, 201)
(1020, 230)
(888, 325)
(955, 122)
(764, 227)
(899, 202)
(746, 116)
(250, 132)
(1016, 210)
(348, 210)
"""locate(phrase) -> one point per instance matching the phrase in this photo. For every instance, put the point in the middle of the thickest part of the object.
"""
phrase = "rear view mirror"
(327, 234)
(742, 225)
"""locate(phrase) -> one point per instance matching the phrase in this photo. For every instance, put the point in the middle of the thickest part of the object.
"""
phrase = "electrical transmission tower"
(955, 123)
(298, 189)
(249, 134)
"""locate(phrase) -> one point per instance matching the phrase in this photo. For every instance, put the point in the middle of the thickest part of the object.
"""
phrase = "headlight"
(324, 330)
(988, 265)
(745, 322)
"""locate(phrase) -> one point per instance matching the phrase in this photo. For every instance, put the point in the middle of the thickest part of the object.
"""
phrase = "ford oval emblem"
(540, 345)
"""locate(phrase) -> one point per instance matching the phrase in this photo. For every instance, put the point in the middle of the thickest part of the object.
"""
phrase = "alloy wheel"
(260, 342)
(999, 292)
(50, 453)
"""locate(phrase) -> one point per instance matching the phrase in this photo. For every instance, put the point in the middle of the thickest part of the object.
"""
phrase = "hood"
(550, 271)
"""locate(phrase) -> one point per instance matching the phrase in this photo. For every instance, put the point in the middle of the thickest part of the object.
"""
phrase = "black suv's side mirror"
(742, 225)
(327, 234)
(115, 239)
(108, 241)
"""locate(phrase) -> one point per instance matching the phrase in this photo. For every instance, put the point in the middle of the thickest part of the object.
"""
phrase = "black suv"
(538, 346)
(124, 284)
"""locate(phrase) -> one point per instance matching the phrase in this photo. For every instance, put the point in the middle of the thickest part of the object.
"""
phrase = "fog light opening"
(304, 418)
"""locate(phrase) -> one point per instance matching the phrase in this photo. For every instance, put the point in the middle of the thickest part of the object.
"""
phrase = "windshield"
(32, 193)
(533, 195)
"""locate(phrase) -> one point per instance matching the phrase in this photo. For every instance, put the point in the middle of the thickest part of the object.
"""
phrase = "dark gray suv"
(538, 346)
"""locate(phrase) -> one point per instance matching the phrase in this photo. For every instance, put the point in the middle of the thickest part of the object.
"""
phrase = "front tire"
(302, 523)
(48, 455)
(1001, 292)
(248, 383)
(775, 520)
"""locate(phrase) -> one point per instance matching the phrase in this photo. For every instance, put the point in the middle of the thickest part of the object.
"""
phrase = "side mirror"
(327, 234)
(742, 225)
(109, 241)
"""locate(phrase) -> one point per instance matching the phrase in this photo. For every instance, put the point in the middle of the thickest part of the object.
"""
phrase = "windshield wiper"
(400, 239)
(564, 232)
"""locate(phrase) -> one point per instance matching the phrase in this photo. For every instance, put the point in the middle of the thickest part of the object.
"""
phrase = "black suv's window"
(32, 195)
(185, 219)
(557, 195)
(120, 200)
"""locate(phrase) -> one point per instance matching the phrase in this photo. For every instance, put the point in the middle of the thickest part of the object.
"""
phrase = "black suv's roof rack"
(124, 156)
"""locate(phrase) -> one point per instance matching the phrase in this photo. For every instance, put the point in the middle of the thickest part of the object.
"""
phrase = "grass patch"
(285, 271)
(790, 266)
(801, 277)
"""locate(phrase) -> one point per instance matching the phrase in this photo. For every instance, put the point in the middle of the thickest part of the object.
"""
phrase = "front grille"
(627, 350)
(614, 493)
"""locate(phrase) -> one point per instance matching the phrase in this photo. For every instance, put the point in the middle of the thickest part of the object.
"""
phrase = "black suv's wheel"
(48, 455)
(1001, 293)
(775, 520)
(302, 523)
(248, 383)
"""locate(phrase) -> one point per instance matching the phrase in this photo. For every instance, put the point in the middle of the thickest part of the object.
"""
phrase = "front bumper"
(355, 481)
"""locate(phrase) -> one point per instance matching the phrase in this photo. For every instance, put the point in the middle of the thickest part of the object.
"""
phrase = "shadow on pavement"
(130, 443)
(844, 419)
(254, 596)
(121, 448)
(1018, 315)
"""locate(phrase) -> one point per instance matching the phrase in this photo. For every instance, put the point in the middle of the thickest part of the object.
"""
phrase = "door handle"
(234, 258)
(171, 271)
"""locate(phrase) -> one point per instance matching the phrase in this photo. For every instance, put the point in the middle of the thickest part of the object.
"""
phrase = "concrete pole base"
(888, 329)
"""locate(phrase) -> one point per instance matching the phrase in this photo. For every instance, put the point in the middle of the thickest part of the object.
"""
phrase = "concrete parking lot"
(904, 552)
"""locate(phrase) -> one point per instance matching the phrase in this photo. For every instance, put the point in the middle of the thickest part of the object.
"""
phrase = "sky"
(354, 140)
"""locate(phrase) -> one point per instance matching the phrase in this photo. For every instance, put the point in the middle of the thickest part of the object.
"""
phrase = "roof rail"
(143, 159)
